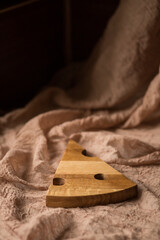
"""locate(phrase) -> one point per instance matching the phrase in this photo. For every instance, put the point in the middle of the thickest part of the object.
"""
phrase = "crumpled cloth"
(113, 111)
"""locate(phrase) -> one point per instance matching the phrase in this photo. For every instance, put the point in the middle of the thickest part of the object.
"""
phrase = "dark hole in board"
(85, 153)
(58, 181)
(100, 176)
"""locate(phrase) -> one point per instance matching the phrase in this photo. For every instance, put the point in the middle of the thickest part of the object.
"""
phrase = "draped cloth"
(113, 111)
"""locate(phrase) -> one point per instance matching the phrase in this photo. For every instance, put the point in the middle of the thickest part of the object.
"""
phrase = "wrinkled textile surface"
(113, 111)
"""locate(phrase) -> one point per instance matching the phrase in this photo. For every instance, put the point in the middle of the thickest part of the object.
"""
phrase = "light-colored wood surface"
(82, 181)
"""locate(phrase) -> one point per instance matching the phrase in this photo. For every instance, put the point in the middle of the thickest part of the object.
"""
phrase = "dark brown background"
(32, 42)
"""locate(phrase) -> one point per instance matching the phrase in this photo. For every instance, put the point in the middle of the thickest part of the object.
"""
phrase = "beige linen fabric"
(113, 112)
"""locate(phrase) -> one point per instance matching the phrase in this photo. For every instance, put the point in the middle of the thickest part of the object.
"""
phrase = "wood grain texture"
(82, 181)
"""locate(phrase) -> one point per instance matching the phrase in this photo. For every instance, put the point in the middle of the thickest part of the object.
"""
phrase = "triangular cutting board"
(82, 181)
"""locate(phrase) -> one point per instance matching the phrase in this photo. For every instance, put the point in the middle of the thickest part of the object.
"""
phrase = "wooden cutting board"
(82, 181)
